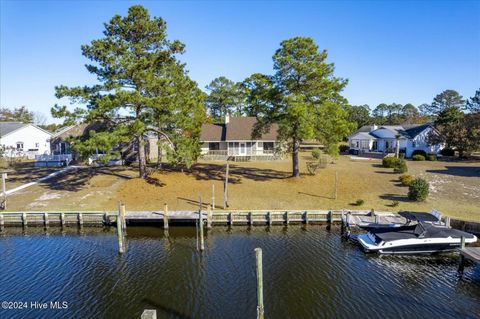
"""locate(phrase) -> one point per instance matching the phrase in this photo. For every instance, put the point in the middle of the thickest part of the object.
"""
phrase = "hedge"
(418, 157)
(418, 190)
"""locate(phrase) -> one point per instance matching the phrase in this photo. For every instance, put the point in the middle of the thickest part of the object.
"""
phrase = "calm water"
(308, 273)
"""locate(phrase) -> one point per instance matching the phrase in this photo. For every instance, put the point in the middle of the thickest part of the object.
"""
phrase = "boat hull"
(411, 246)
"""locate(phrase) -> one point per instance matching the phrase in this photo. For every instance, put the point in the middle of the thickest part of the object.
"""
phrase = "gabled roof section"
(241, 129)
(77, 130)
(9, 127)
(406, 131)
(237, 129)
(415, 129)
(213, 132)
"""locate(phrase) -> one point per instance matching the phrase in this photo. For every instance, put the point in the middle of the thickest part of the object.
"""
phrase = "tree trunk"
(295, 168)
(397, 149)
(142, 163)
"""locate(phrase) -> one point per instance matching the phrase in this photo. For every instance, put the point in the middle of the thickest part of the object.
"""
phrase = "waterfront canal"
(309, 272)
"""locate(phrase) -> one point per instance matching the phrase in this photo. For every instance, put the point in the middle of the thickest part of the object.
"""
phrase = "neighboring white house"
(19, 140)
(383, 139)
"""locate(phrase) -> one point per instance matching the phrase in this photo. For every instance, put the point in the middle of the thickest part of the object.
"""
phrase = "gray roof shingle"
(8, 127)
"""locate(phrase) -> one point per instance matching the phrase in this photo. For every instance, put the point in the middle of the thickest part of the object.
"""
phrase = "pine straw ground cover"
(454, 188)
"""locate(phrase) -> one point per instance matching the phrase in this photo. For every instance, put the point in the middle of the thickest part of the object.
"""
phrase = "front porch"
(240, 151)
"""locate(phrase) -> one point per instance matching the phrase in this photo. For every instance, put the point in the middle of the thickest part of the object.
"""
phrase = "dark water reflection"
(308, 273)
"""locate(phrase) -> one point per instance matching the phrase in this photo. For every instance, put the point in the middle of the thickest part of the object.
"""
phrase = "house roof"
(406, 131)
(77, 130)
(9, 127)
(213, 132)
(237, 129)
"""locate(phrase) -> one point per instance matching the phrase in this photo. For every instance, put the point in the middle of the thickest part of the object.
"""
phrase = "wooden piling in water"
(250, 218)
(2, 221)
(269, 215)
(306, 217)
(286, 218)
(121, 244)
(209, 217)
(461, 265)
(165, 216)
(329, 219)
(123, 221)
(80, 219)
(24, 220)
(62, 219)
(200, 221)
(259, 271)
(45, 219)
(230, 218)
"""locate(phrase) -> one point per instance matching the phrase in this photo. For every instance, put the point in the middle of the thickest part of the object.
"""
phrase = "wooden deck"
(472, 253)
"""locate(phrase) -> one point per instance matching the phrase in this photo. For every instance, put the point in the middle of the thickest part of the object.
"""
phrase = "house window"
(213, 146)
(19, 146)
(414, 144)
(268, 146)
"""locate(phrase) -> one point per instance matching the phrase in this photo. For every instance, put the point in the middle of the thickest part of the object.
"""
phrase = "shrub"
(316, 153)
(418, 190)
(389, 162)
(394, 203)
(400, 166)
(447, 152)
(359, 202)
(406, 179)
(343, 148)
(432, 157)
(419, 152)
(418, 157)
(401, 155)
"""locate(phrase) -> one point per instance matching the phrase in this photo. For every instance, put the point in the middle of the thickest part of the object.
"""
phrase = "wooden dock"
(165, 217)
(471, 253)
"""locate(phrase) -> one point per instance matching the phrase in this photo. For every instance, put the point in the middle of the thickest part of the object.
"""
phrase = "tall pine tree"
(143, 88)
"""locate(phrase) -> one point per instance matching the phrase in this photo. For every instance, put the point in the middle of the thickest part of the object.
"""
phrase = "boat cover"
(421, 217)
(421, 230)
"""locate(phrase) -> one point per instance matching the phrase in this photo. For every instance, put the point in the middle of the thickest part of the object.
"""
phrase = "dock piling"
(269, 215)
(259, 269)
(329, 219)
(45, 220)
(200, 221)
(123, 221)
(306, 217)
(230, 218)
(461, 265)
(2, 221)
(24, 220)
(209, 217)
(286, 218)
(62, 219)
(165, 216)
(149, 314)
(80, 219)
(447, 222)
(121, 245)
(250, 218)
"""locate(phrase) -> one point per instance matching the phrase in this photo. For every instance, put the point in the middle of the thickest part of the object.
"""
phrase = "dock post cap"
(149, 314)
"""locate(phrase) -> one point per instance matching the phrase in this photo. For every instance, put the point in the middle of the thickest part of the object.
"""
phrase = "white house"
(383, 139)
(20, 139)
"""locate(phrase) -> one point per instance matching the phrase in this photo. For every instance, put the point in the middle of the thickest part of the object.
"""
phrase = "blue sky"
(390, 51)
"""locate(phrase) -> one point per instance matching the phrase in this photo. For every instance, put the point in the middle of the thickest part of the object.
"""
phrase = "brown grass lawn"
(455, 188)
